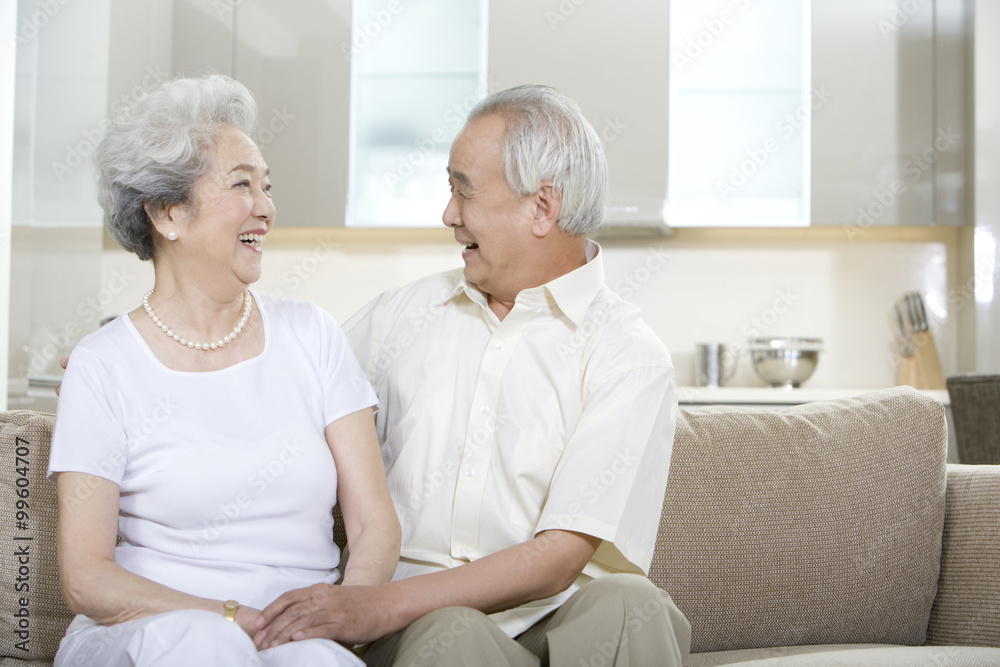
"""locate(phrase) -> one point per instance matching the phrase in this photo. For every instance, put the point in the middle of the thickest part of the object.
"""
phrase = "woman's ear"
(166, 218)
(548, 201)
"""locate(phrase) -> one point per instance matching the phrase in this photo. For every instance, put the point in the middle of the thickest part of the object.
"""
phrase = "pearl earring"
(172, 236)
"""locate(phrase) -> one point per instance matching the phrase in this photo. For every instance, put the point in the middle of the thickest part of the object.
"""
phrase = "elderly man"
(526, 419)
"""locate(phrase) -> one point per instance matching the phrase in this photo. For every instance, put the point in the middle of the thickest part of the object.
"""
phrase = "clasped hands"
(348, 614)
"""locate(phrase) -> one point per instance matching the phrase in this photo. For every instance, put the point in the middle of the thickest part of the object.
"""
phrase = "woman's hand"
(246, 617)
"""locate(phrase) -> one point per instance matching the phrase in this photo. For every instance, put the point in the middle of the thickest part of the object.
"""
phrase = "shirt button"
(470, 472)
(500, 345)
(464, 551)
(485, 409)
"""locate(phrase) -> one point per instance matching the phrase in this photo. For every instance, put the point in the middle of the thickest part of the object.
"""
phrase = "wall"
(61, 99)
(696, 286)
(8, 26)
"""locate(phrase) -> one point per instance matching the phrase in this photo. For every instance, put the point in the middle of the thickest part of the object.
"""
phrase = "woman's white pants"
(190, 638)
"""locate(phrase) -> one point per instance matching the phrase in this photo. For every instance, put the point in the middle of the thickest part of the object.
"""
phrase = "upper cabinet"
(740, 113)
(832, 112)
(889, 145)
(712, 112)
(613, 59)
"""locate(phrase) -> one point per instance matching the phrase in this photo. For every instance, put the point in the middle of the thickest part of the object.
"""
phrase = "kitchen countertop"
(777, 396)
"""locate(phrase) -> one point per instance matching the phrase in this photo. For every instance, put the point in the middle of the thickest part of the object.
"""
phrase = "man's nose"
(451, 217)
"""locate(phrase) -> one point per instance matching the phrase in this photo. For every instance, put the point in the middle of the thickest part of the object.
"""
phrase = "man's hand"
(350, 614)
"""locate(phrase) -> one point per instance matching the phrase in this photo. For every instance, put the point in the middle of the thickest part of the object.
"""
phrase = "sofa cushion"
(967, 608)
(820, 524)
(33, 617)
(845, 655)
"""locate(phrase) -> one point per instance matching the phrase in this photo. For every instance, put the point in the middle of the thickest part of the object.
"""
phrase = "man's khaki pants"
(616, 620)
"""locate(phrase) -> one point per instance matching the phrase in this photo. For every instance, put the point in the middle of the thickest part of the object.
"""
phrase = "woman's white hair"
(155, 150)
(548, 139)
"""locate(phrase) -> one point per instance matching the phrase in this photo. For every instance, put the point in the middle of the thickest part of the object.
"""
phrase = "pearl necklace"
(247, 307)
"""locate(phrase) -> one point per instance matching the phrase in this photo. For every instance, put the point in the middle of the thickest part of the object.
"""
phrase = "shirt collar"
(572, 292)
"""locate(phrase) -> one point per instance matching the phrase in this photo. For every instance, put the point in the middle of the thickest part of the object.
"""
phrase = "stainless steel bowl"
(784, 361)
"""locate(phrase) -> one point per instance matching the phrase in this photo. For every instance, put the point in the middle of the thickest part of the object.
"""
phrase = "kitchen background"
(885, 187)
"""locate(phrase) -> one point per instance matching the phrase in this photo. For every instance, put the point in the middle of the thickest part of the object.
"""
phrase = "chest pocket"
(532, 466)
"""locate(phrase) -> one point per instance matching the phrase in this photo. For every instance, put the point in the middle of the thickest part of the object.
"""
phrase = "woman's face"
(232, 211)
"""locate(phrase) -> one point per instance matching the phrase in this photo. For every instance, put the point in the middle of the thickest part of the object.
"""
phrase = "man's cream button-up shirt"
(560, 416)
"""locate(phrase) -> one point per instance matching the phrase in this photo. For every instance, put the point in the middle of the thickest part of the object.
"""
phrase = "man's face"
(491, 222)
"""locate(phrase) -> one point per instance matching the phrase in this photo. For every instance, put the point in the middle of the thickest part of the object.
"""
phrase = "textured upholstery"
(975, 409)
(820, 524)
(841, 655)
(967, 609)
(809, 537)
(30, 601)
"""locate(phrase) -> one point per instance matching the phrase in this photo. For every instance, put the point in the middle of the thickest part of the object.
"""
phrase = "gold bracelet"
(232, 606)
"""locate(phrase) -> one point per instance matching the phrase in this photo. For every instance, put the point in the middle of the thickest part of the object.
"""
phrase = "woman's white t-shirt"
(227, 482)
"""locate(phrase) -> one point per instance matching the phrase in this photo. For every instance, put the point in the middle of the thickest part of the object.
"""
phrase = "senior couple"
(207, 540)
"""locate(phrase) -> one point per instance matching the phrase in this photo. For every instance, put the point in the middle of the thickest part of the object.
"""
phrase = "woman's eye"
(243, 184)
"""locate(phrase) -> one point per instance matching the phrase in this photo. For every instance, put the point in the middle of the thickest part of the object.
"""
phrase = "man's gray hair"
(548, 139)
(155, 150)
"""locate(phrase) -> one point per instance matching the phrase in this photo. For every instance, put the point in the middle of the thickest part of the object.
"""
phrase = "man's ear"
(548, 201)
(166, 218)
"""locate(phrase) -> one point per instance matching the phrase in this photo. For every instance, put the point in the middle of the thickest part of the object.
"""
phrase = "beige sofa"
(832, 533)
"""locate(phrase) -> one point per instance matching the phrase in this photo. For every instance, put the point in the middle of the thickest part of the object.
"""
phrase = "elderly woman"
(212, 429)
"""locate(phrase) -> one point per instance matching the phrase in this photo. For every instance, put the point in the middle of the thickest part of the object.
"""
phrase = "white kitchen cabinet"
(887, 100)
(889, 145)
(612, 58)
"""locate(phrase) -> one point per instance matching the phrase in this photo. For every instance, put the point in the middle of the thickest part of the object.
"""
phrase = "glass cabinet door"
(740, 110)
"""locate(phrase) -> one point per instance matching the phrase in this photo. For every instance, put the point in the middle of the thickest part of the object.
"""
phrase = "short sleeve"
(346, 388)
(621, 449)
(89, 434)
(362, 331)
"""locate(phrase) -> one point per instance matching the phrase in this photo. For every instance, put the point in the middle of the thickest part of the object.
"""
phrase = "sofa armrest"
(966, 610)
